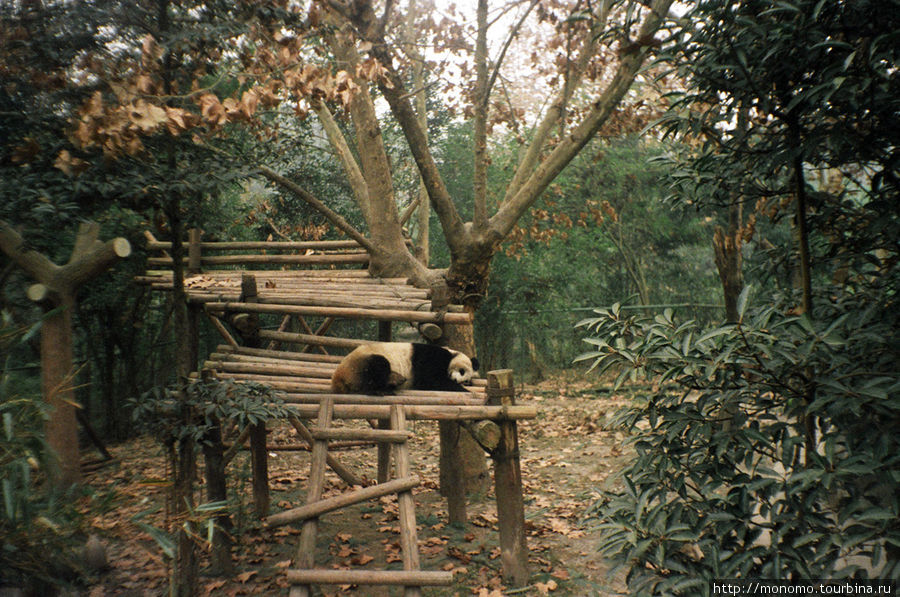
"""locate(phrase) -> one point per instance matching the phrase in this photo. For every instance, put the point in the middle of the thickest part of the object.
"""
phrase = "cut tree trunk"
(56, 290)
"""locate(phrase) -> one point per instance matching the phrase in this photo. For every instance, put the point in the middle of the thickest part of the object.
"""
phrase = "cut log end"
(121, 247)
(39, 293)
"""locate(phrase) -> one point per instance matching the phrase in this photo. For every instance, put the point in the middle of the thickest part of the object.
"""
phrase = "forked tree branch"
(393, 89)
(520, 197)
(551, 118)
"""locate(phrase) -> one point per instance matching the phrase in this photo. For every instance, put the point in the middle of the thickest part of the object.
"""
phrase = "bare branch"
(542, 132)
(332, 216)
(509, 39)
(533, 182)
(393, 90)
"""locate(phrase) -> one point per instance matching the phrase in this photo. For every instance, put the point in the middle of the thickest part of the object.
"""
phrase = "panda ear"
(474, 364)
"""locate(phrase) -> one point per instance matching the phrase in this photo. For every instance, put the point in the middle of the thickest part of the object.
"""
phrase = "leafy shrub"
(770, 449)
(209, 403)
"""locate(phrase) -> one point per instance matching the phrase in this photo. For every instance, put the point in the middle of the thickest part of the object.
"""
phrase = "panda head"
(462, 369)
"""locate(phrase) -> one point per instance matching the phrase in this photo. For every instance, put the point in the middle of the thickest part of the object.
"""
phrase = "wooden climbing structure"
(306, 287)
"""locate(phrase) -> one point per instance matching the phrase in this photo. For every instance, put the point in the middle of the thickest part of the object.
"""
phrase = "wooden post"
(259, 464)
(307, 549)
(194, 256)
(217, 491)
(409, 544)
(508, 483)
(384, 450)
(248, 323)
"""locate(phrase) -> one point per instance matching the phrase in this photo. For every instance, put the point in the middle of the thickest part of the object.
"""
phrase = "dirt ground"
(567, 455)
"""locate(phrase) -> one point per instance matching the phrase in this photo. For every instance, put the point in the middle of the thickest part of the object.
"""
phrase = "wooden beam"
(370, 577)
(421, 412)
(343, 312)
(320, 507)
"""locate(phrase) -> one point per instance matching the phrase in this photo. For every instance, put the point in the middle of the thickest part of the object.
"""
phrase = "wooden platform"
(308, 286)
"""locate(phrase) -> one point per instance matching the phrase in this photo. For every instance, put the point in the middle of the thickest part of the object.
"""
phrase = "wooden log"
(452, 398)
(217, 490)
(409, 544)
(231, 452)
(320, 507)
(280, 354)
(359, 276)
(298, 383)
(342, 312)
(486, 433)
(452, 479)
(250, 259)
(370, 577)
(342, 471)
(269, 369)
(315, 245)
(233, 357)
(223, 331)
(388, 436)
(422, 412)
(194, 253)
(310, 339)
(508, 484)
(304, 447)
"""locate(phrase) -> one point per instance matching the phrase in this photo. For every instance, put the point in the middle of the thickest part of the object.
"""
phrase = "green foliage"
(38, 527)
(770, 450)
(786, 93)
(174, 413)
(602, 231)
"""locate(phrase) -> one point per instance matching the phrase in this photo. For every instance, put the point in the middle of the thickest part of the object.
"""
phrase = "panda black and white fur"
(384, 367)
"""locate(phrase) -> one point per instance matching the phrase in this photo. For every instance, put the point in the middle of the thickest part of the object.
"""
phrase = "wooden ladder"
(305, 575)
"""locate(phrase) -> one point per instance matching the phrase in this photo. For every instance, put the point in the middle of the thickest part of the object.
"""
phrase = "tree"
(57, 288)
(772, 452)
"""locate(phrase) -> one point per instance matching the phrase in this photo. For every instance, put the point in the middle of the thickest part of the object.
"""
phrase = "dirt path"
(566, 454)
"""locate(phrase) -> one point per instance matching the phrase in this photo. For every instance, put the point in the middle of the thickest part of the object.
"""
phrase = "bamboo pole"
(320, 507)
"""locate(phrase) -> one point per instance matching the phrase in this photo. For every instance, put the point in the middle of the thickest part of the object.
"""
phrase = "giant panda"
(384, 367)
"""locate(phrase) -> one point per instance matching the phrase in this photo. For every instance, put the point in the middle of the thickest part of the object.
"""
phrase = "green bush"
(770, 449)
